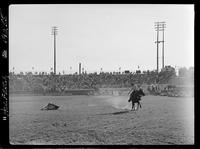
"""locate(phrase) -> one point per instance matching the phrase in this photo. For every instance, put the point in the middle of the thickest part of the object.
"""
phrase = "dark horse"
(135, 97)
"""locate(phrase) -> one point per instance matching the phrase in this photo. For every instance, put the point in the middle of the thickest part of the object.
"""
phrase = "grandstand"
(89, 83)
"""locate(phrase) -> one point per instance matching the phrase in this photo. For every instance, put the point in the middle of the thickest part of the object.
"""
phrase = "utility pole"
(163, 64)
(159, 26)
(54, 33)
(157, 50)
(79, 68)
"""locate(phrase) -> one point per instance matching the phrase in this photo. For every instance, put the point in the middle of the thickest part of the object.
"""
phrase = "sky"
(107, 36)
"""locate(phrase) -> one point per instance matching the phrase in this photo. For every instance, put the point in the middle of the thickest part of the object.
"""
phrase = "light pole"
(160, 26)
(54, 33)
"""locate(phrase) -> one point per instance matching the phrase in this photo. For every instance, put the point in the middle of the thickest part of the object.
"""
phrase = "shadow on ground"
(116, 113)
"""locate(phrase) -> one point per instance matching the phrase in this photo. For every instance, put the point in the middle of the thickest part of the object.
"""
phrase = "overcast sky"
(99, 36)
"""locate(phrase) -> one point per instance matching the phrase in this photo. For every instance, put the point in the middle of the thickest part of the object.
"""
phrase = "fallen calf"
(50, 106)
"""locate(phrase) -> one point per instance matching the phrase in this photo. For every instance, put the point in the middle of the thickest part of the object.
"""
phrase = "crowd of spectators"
(42, 82)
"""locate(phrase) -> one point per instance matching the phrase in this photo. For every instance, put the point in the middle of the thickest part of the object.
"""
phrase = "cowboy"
(133, 88)
(136, 95)
(133, 94)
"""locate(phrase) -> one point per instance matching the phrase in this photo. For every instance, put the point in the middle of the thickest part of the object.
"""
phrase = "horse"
(135, 97)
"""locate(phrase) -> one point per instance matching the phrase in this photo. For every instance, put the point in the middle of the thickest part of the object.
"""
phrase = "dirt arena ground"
(101, 120)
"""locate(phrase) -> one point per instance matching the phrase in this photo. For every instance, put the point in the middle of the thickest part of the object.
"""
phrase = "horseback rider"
(133, 90)
(135, 96)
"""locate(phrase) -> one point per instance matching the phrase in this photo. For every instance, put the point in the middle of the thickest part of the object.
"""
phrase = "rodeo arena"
(102, 108)
(129, 107)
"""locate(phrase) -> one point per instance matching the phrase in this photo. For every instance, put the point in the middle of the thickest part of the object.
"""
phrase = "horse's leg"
(140, 104)
(137, 106)
(133, 105)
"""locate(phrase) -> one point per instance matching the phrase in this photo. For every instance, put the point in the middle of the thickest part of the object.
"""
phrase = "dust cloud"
(119, 102)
